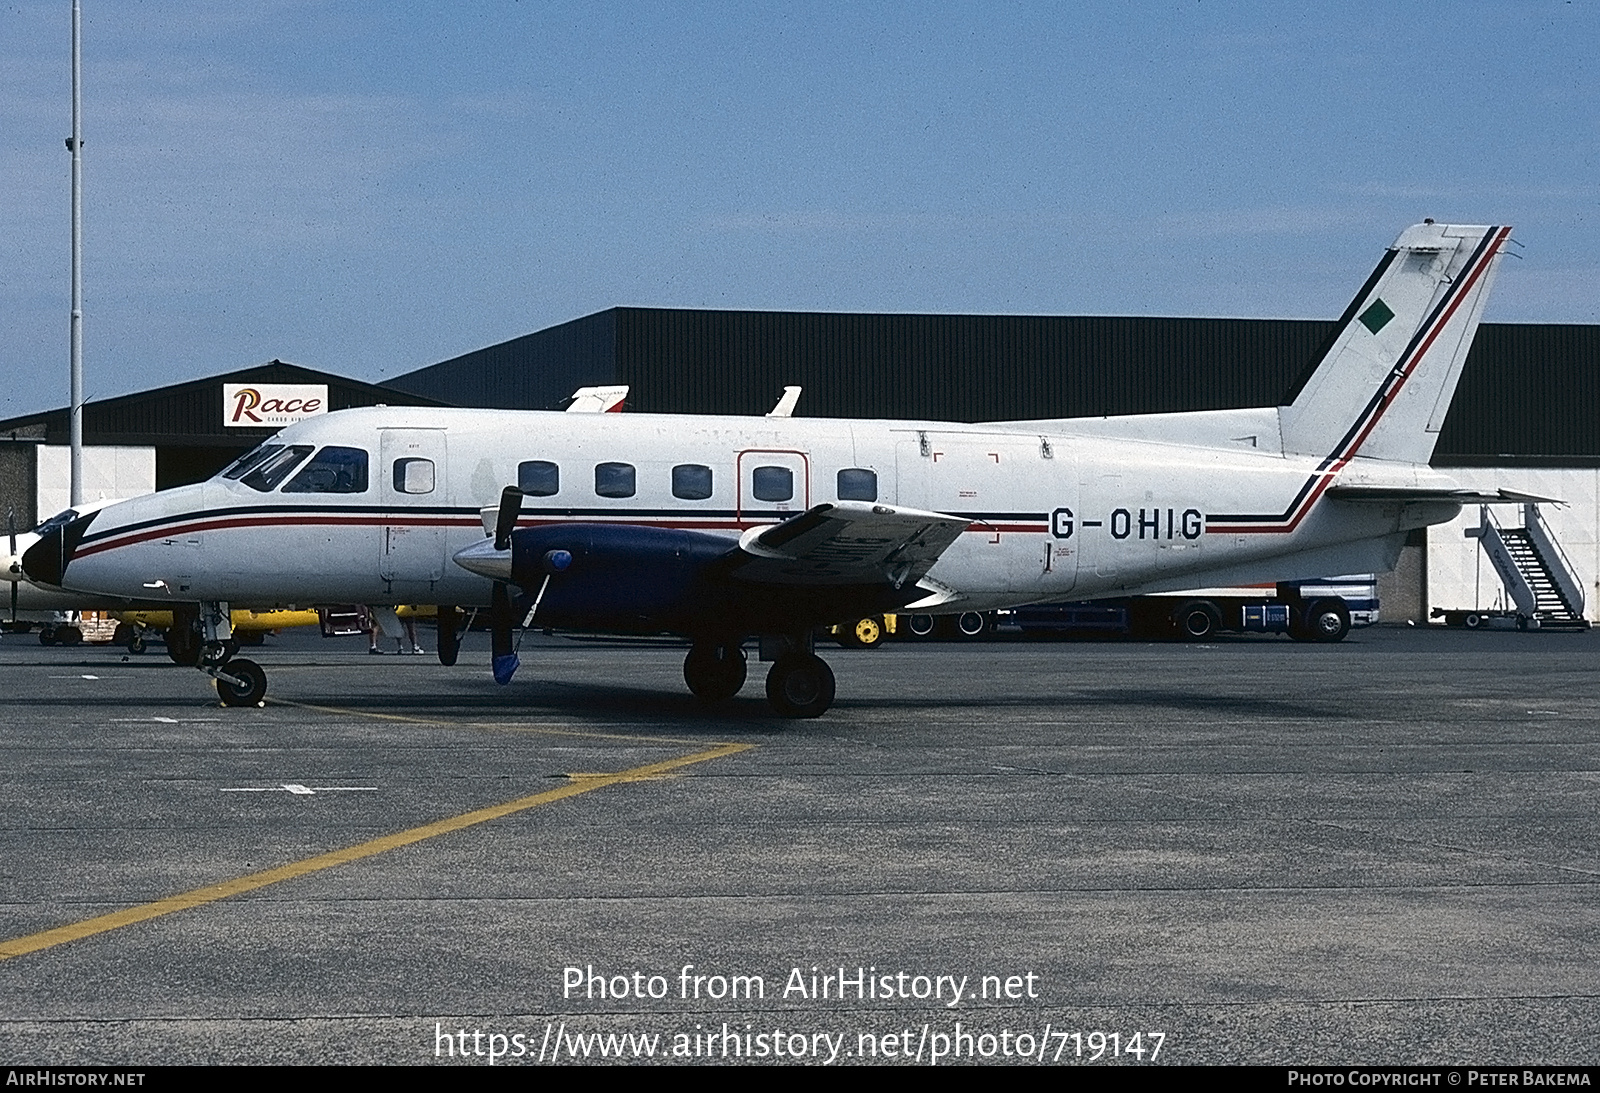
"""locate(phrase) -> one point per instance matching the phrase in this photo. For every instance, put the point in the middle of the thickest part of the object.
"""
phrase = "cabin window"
(539, 478)
(772, 483)
(858, 484)
(691, 482)
(413, 476)
(267, 473)
(332, 470)
(614, 479)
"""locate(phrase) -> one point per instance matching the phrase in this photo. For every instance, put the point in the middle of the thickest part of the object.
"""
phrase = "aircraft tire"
(1197, 620)
(867, 633)
(183, 646)
(800, 685)
(69, 635)
(47, 635)
(136, 642)
(919, 626)
(972, 625)
(254, 690)
(1327, 621)
(714, 673)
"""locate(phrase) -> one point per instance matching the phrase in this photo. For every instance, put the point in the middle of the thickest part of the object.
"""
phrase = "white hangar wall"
(110, 473)
(1461, 576)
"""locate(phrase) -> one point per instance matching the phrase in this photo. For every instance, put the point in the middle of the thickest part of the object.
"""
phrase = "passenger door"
(411, 485)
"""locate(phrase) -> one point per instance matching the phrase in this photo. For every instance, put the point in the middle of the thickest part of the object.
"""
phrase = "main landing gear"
(714, 671)
(799, 683)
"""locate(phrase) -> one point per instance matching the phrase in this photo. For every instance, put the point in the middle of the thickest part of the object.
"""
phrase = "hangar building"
(155, 439)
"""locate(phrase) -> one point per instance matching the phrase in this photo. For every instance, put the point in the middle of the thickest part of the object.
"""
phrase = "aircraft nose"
(45, 562)
(484, 560)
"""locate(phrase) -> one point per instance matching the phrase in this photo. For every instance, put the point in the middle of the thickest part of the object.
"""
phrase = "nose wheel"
(240, 682)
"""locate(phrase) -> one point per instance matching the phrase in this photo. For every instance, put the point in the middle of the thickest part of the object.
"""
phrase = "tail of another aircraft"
(1384, 385)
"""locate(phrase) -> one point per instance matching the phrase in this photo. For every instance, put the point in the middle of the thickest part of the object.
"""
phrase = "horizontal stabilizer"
(1423, 493)
(848, 543)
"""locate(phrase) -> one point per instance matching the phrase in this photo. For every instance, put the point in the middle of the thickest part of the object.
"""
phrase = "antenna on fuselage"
(786, 402)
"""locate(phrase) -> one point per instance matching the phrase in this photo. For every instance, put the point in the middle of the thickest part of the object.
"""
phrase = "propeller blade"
(504, 661)
(11, 529)
(449, 620)
(506, 522)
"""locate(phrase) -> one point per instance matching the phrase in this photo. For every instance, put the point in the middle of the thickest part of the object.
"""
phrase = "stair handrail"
(1488, 535)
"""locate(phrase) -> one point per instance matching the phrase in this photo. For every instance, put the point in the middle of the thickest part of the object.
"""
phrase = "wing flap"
(1390, 494)
(848, 543)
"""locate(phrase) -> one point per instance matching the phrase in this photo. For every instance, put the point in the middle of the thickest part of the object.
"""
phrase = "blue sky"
(370, 188)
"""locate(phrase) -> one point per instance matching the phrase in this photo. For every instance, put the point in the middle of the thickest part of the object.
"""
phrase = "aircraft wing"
(1423, 493)
(847, 543)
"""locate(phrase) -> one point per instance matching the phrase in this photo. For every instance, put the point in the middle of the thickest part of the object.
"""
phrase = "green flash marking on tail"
(1376, 317)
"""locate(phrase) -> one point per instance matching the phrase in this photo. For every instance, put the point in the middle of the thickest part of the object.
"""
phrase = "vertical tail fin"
(1385, 384)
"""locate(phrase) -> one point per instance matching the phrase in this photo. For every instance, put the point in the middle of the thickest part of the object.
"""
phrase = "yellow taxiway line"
(584, 783)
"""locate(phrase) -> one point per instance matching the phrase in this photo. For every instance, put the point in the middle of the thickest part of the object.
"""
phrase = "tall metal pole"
(76, 146)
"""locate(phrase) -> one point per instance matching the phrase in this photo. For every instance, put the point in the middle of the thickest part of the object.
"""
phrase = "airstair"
(1536, 573)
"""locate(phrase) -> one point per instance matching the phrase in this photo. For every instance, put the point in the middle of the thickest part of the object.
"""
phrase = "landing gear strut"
(714, 671)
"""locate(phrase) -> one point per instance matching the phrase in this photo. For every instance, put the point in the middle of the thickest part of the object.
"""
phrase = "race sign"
(254, 406)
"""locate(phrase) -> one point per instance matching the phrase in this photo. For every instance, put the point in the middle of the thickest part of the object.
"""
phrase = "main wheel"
(863, 633)
(252, 678)
(714, 673)
(69, 635)
(800, 685)
(1197, 620)
(1327, 620)
(920, 626)
(183, 646)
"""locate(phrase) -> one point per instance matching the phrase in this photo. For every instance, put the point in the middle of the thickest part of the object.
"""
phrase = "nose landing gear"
(204, 639)
(240, 682)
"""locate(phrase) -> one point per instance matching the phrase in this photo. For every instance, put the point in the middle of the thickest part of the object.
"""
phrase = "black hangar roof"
(1529, 394)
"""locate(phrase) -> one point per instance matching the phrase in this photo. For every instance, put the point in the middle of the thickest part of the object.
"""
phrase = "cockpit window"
(249, 460)
(334, 470)
(60, 519)
(266, 474)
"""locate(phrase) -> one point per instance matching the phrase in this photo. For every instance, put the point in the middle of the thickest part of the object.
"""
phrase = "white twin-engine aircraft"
(722, 528)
